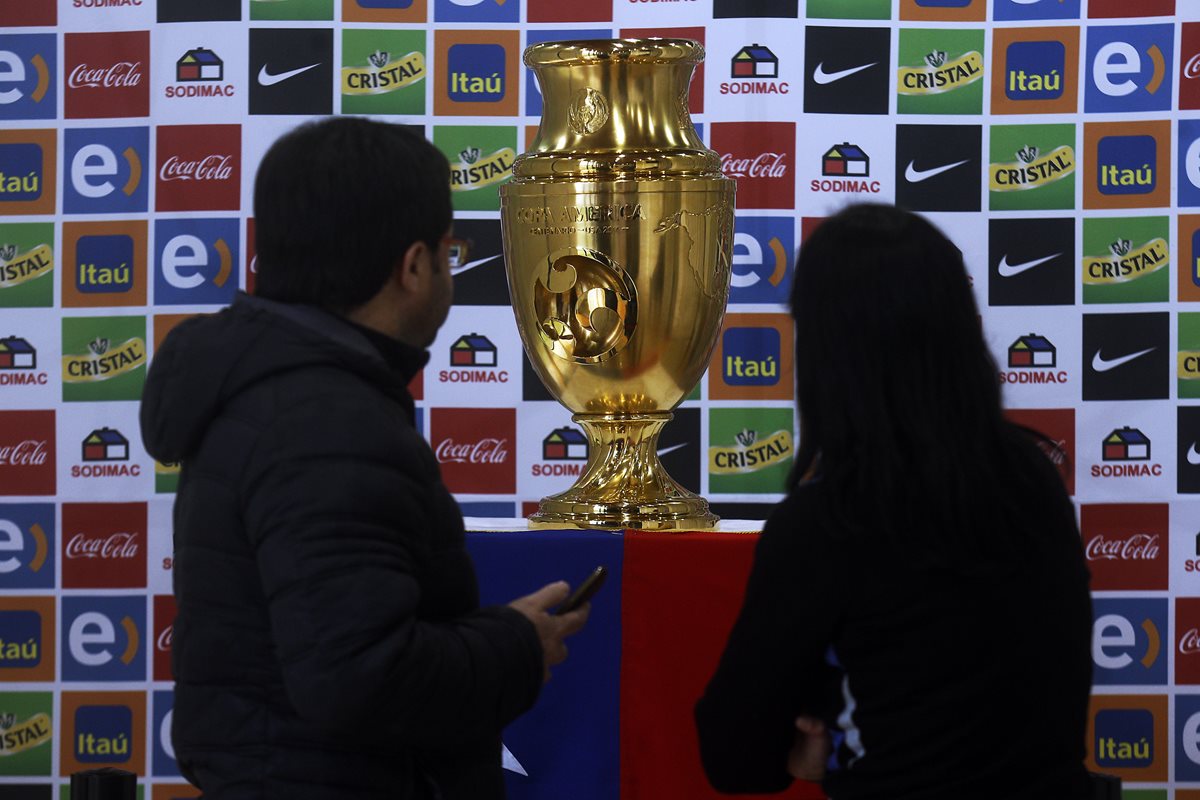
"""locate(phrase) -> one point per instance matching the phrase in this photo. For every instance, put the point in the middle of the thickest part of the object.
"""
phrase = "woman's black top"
(954, 679)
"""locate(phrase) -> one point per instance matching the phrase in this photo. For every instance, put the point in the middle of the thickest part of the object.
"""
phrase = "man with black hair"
(329, 641)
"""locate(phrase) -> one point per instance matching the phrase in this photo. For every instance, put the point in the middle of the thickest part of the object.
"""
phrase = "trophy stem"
(624, 484)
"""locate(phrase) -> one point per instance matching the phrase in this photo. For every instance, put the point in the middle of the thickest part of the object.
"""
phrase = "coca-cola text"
(485, 451)
(210, 168)
(114, 545)
(120, 74)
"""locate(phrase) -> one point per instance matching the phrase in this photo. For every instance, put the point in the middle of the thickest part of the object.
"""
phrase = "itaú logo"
(30, 452)
(763, 165)
(210, 168)
(1135, 547)
(120, 74)
(114, 545)
(485, 451)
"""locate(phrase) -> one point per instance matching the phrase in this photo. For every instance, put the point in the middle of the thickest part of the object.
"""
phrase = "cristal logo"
(122, 73)
(1192, 68)
(764, 165)
(163, 643)
(210, 168)
(115, 545)
(485, 451)
(1136, 547)
(30, 452)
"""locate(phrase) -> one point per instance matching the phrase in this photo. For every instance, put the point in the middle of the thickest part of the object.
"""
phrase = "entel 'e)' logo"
(28, 70)
(1032, 167)
(940, 72)
(761, 157)
(1187, 708)
(752, 360)
(475, 448)
(27, 545)
(476, 73)
(26, 639)
(1127, 641)
(1189, 163)
(383, 72)
(27, 449)
(1127, 545)
(162, 756)
(104, 546)
(103, 638)
(1129, 68)
(1126, 260)
(1036, 70)
(199, 168)
(105, 264)
(28, 171)
(1127, 164)
(107, 74)
(763, 254)
(476, 11)
(1127, 736)
(195, 261)
(103, 729)
(104, 358)
(104, 170)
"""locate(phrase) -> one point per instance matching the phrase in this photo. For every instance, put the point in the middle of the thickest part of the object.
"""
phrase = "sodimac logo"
(103, 729)
(1127, 545)
(1129, 68)
(761, 157)
(1127, 164)
(105, 264)
(199, 168)
(475, 448)
(28, 173)
(105, 170)
(28, 76)
(104, 546)
(195, 261)
(763, 255)
(27, 448)
(1016, 10)
(26, 638)
(27, 545)
(754, 70)
(107, 74)
(1036, 70)
(104, 638)
(1128, 635)
(751, 360)
(476, 73)
(1031, 262)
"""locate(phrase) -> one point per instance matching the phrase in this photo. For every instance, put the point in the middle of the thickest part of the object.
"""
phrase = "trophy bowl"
(617, 230)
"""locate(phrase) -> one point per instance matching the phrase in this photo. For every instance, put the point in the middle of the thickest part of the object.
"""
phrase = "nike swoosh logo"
(1193, 455)
(914, 175)
(267, 79)
(1104, 365)
(1007, 270)
(472, 265)
(671, 449)
(822, 77)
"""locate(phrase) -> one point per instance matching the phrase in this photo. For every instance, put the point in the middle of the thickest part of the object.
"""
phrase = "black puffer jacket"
(329, 642)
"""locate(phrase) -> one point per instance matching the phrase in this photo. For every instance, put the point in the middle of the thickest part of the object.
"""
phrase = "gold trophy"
(618, 230)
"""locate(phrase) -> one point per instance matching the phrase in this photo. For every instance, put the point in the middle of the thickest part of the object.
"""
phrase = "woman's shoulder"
(801, 521)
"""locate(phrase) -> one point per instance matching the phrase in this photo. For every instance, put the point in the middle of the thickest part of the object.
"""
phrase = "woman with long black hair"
(919, 601)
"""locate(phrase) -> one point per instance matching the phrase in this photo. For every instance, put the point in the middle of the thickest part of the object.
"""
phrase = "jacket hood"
(207, 360)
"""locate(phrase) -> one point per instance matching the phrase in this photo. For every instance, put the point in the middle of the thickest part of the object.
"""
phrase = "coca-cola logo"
(27, 453)
(485, 451)
(1190, 642)
(763, 165)
(120, 74)
(1192, 68)
(163, 642)
(114, 545)
(210, 168)
(1135, 547)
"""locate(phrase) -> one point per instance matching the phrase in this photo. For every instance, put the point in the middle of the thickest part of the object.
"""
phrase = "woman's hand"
(810, 751)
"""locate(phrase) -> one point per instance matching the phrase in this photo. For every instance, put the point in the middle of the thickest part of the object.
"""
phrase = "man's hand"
(551, 630)
(810, 751)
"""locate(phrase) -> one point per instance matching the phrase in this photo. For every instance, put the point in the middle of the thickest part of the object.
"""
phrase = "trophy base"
(624, 484)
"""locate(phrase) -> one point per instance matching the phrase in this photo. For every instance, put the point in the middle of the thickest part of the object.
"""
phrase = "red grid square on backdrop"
(476, 448)
(104, 545)
(27, 447)
(106, 74)
(199, 168)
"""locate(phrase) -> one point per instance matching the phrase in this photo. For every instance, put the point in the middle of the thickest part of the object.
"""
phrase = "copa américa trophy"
(618, 232)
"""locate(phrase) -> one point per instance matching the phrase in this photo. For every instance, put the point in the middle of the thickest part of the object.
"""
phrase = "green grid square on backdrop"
(383, 71)
(28, 719)
(940, 54)
(1046, 157)
(291, 9)
(750, 450)
(27, 265)
(104, 358)
(1126, 260)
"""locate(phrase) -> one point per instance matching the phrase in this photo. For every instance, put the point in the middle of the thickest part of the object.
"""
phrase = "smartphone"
(584, 592)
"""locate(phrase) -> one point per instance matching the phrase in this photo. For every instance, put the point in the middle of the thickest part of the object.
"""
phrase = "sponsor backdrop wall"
(1057, 142)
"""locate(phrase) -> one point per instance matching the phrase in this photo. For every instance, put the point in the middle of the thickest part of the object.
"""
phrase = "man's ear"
(412, 265)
